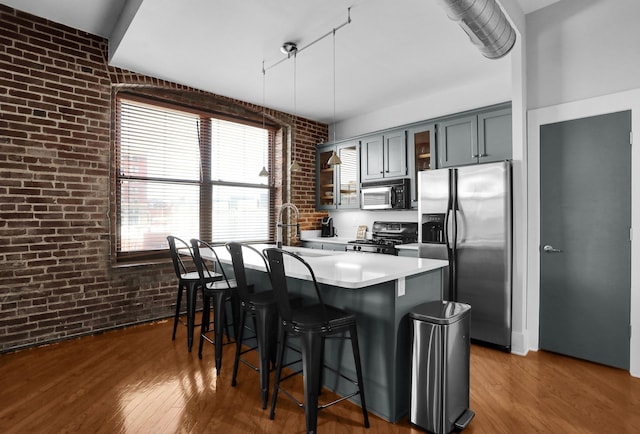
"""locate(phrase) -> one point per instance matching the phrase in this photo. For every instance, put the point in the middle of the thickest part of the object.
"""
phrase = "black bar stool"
(222, 291)
(188, 281)
(261, 306)
(313, 324)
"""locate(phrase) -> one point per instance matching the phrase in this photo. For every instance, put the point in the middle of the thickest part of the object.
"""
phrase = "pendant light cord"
(334, 85)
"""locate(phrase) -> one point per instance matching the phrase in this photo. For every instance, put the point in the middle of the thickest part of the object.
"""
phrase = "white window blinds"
(184, 174)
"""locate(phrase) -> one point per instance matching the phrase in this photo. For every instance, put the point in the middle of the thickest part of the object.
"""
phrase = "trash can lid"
(440, 312)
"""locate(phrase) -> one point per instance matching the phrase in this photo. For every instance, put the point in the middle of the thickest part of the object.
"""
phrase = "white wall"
(579, 49)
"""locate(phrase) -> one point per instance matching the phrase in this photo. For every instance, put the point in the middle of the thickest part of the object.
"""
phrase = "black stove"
(385, 236)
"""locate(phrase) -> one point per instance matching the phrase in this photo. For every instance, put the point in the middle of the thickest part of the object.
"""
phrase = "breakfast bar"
(381, 290)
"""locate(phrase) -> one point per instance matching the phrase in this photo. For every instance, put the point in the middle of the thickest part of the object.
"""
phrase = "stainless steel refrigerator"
(465, 217)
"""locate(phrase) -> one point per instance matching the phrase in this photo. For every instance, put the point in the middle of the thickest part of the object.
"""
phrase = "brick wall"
(56, 278)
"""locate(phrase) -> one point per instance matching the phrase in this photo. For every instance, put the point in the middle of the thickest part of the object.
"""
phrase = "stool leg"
(263, 326)
(191, 312)
(206, 306)
(219, 327)
(311, 370)
(353, 332)
(239, 337)
(282, 345)
(176, 318)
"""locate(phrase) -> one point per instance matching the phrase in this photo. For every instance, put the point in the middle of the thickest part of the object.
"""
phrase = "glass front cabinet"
(422, 149)
(337, 186)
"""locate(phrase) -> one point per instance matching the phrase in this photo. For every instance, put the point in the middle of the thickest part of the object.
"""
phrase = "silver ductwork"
(485, 23)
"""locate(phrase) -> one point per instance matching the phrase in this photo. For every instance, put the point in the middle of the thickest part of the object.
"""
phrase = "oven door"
(377, 197)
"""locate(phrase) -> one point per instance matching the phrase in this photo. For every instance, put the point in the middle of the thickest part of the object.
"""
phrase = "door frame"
(627, 100)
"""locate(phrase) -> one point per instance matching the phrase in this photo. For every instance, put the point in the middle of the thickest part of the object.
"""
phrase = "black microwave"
(385, 194)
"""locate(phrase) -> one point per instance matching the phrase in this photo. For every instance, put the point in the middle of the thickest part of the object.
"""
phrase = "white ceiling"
(391, 52)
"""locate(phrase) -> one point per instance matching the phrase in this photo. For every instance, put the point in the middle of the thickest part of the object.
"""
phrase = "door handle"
(551, 249)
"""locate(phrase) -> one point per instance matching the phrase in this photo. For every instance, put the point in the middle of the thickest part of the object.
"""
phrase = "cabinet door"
(494, 136)
(348, 187)
(395, 154)
(372, 165)
(325, 179)
(421, 151)
(458, 142)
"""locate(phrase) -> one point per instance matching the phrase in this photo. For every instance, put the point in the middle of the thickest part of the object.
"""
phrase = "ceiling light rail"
(290, 48)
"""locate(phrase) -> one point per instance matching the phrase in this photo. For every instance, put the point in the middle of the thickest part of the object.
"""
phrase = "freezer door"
(433, 195)
(433, 190)
(484, 249)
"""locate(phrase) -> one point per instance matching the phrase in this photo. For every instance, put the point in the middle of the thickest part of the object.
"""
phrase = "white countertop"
(344, 269)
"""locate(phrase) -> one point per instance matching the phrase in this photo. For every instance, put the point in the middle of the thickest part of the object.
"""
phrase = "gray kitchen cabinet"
(480, 137)
(337, 187)
(494, 136)
(421, 144)
(410, 253)
(340, 247)
(384, 156)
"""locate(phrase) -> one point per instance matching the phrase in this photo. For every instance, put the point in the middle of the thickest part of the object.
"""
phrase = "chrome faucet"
(280, 225)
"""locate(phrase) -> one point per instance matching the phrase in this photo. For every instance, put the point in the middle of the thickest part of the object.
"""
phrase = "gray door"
(585, 219)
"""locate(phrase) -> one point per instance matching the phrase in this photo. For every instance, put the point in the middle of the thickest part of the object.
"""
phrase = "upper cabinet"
(475, 138)
(421, 141)
(337, 186)
(384, 156)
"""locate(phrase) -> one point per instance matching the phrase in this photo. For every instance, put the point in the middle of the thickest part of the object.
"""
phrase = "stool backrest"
(279, 281)
(238, 252)
(203, 267)
(176, 244)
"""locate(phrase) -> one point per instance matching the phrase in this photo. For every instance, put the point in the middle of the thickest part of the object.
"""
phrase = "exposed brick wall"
(56, 278)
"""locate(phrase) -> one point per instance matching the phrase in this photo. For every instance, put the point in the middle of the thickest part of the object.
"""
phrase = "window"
(187, 174)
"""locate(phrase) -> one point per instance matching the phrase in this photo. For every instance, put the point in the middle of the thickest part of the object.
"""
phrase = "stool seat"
(314, 318)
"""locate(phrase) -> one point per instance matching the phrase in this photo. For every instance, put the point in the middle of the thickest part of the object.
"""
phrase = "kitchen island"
(381, 290)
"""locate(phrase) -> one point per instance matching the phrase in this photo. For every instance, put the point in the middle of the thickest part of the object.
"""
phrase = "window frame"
(205, 183)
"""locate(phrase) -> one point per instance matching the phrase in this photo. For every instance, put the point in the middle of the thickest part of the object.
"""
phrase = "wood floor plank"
(137, 380)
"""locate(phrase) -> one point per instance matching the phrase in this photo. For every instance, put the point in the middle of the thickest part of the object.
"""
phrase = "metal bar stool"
(188, 281)
(313, 324)
(261, 306)
(221, 291)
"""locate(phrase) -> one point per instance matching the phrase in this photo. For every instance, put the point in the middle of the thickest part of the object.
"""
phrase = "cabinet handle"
(474, 155)
(484, 155)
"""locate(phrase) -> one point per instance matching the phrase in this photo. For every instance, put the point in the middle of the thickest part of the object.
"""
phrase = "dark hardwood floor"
(137, 380)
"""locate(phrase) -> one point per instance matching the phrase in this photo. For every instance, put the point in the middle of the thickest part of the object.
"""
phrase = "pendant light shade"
(264, 172)
(334, 160)
(295, 167)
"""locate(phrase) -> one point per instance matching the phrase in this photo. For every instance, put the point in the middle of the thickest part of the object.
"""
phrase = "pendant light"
(264, 173)
(295, 167)
(334, 160)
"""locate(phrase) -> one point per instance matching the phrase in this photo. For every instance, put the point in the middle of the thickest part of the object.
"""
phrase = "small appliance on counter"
(327, 227)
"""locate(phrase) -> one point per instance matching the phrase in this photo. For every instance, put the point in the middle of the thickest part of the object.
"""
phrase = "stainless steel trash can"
(440, 366)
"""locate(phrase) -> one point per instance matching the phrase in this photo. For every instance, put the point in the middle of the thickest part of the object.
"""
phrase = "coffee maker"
(327, 227)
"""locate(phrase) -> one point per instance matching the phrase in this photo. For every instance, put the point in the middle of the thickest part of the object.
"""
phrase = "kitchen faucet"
(280, 225)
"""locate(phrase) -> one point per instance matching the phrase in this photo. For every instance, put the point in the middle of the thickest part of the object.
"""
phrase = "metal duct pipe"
(484, 22)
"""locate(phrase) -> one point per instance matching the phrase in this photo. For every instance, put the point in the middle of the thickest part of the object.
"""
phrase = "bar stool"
(261, 306)
(221, 291)
(188, 281)
(313, 324)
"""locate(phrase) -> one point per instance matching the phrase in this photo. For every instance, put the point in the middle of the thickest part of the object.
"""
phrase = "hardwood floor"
(137, 380)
